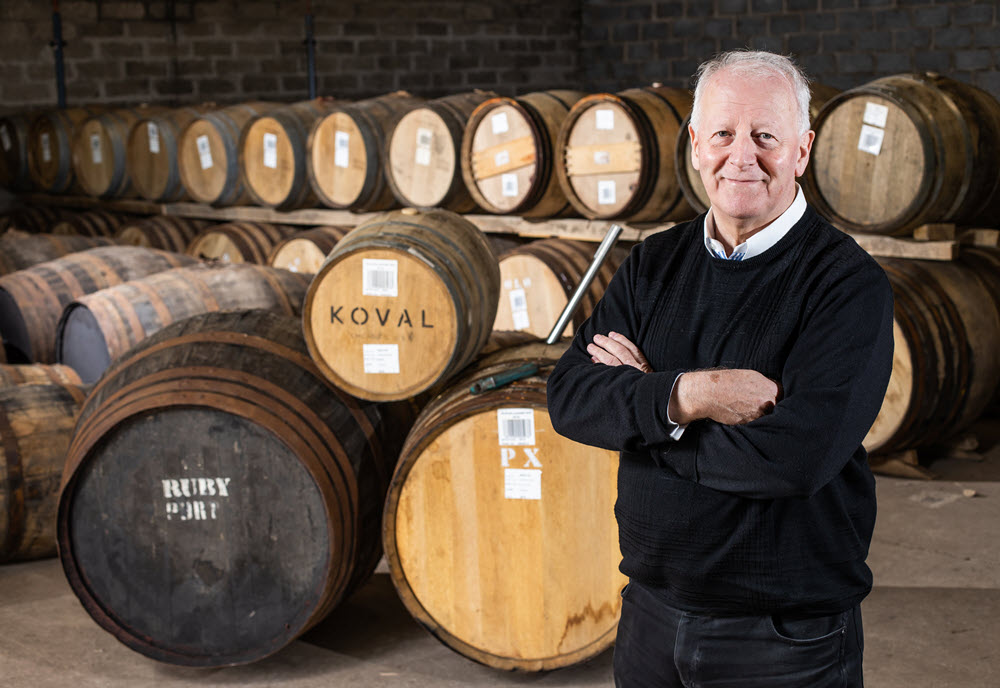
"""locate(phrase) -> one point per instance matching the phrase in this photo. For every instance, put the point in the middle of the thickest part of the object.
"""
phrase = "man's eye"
(766, 136)
(722, 133)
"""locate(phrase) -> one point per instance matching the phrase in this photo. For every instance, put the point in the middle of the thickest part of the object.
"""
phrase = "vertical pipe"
(57, 47)
(310, 51)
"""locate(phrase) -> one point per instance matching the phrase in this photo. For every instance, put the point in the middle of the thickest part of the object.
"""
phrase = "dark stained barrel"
(19, 250)
(50, 147)
(34, 219)
(90, 223)
(14, 151)
(165, 232)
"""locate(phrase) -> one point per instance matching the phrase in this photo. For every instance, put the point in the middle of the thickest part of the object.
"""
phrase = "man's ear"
(694, 148)
(805, 148)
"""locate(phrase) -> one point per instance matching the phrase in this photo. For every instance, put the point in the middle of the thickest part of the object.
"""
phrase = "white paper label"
(424, 139)
(195, 499)
(204, 151)
(502, 158)
(516, 426)
(381, 358)
(606, 192)
(341, 149)
(46, 151)
(876, 114)
(508, 183)
(95, 149)
(500, 125)
(378, 277)
(271, 151)
(602, 157)
(519, 309)
(870, 140)
(522, 483)
(605, 119)
(154, 137)
(5, 138)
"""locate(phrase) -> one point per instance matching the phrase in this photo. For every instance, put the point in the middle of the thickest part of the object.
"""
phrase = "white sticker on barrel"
(500, 124)
(204, 151)
(605, 119)
(425, 137)
(46, 151)
(294, 265)
(341, 148)
(379, 277)
(95, 149)
(515, 427)
(502, 158)
(154, 137)
(5, 137)
(508, 183)
(606, 192)
(381, 358)
(519, 309)
(602, 157)
(876, 115)
(871, 139)
(522, 483)
(271, 151)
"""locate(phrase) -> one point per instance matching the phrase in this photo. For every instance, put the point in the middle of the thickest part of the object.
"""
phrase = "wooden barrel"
(273, 152)
(32, 300)
(239, 242)
(305, 251)
(945, 367)
(423, 160)
(616, 154)
(97, 328)
(538, 279)
(33, 219)
(19, 250)
(89, 223)
(403, 303)
(905, 150)
(209, 154)
(508, 153)
(36, 424)
(37, 374)
(151, 153)
(50, 147)
(166, 232)
(14, 151)
(347, 150)
(220, 496)
(99, 151)
(499, 533)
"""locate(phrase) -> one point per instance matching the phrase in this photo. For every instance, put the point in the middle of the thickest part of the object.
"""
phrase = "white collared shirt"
(762, 240)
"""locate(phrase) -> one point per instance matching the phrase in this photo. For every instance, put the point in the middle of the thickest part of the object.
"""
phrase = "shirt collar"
(762, 240)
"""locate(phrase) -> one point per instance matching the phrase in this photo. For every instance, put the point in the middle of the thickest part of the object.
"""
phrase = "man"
(737, 362)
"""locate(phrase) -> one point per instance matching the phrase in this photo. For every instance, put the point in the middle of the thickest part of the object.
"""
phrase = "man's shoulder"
(674, 237)
(839, 251)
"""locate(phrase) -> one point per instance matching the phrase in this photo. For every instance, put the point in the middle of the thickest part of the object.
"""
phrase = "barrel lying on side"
(165, 232)
(305, 251)
(99, 151)
(33, 219)
(151, 153)
(239, 242)
(14, 151)
(19, 250)
(90, 223)
(220, 496)
(50, 147)
(38, 374)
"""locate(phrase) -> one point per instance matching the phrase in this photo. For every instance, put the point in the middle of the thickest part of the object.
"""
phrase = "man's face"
(748, 149)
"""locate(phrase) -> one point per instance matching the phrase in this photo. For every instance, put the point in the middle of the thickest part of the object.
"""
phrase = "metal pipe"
(57, 44)
(602, 252)
(310, 52)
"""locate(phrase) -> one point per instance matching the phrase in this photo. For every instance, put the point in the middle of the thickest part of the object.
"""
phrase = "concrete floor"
(932, 621)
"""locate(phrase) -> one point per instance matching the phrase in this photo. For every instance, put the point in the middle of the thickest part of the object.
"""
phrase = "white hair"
(755, 63)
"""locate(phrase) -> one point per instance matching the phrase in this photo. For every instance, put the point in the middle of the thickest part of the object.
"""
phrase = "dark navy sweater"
(774, 515)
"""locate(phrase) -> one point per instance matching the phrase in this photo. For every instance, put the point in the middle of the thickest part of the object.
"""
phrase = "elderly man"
(737, 361)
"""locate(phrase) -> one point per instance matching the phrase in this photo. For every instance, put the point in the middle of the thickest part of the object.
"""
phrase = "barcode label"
(95, 149)
(381, 359)
(5, 138)
(154, 137)
(46, 151)
(424, 139)
(500, 125)
(522, 483)
(606, 192)
(378, 277)
(204, 151)
(271, 151)
(508, 183)
(341, 149)
(605, 119)
(602, 157)
(871, 139)
(519, 309)
(876, 115)
(502, 158)
(516, 426)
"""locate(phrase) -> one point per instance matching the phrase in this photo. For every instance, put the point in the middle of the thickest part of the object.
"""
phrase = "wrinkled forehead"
(733, 95)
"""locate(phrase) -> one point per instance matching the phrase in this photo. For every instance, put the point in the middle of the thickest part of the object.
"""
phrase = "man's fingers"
(616, 349)
(599, 355)
(637, 355)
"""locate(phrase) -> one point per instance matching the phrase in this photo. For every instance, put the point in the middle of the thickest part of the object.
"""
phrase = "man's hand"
(615, 350)
(730, 397)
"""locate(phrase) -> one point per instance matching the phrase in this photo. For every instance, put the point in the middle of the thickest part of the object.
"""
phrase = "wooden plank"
(133, 206)
(980, 237)
(891, 247)
(935, 231)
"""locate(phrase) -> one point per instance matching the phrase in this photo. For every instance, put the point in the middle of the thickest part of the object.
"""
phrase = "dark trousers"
(659, 646)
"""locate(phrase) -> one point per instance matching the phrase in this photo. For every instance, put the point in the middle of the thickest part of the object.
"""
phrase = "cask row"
(151, 153)
(239, 242)
(33, 219)
(89, 223)
(14, 173)
(50, 147)
(305, 251)
(499, 533)
(221, 552)
(37, 374)
(165, 232)
(20, 250)
(99, 151)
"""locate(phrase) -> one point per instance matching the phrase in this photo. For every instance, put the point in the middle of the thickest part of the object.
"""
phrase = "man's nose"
(743, 152)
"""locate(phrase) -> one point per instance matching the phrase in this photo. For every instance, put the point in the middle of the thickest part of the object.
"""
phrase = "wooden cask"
(99, 151)
(945, 367)
(36, 425)
(403, 303)
(33, 219)
(151, 153)
(32, 300)
(165, 232)
(499, 533)
(14, 173)
(209, 154)
(305, 251)
(906, 150)
(538, 279)
(508, 153)
(423, 160)
(347, 152)
(20, 250)
(273, 152)
(50, 147)
(38, 374)
(97, 328)
(239, 242)
(220, 496)
(89, 223)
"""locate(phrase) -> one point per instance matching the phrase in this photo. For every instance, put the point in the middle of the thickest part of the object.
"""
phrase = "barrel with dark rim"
(509, 156)
(239, 242)
(221, 552)
(20, 250)
(485, 485)
(14, 172)
(305, 251)
(50, 147)
(99, 151)
(34, 219)
(403, 302)
(166, 232)
(347, 150)
(98, 328)
(38, 374)
(151, 153)
(89, 223)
